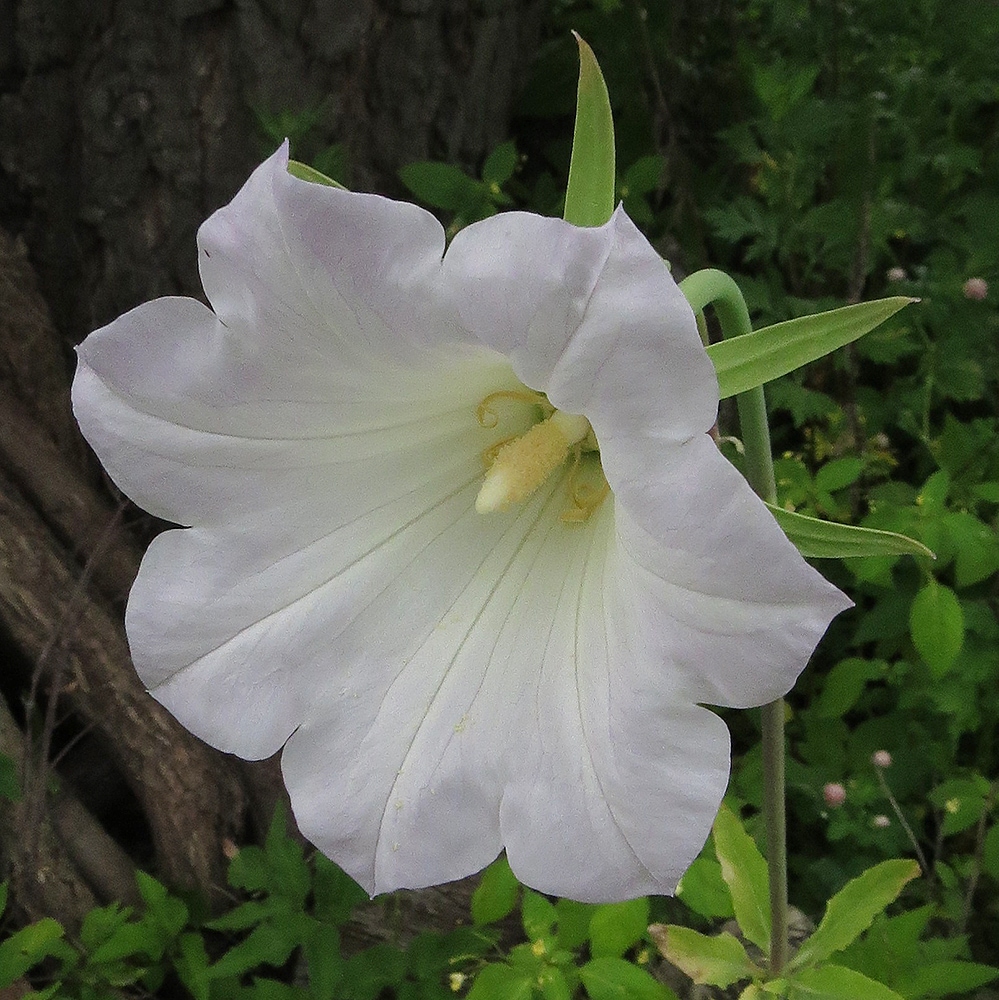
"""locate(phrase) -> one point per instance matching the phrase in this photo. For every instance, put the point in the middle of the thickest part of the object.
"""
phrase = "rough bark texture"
(123, 124)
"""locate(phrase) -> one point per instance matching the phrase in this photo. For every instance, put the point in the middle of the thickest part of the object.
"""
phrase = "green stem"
(720, 291)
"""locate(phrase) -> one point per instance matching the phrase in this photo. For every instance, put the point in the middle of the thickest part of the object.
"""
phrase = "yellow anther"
(524, 463)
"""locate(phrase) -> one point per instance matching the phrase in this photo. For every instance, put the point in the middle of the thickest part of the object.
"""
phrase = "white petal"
(597, 322)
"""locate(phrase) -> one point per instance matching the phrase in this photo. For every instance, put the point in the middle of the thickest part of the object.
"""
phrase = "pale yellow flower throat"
(516, 467)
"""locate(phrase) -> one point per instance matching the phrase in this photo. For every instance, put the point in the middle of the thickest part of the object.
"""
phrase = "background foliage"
(821, 152)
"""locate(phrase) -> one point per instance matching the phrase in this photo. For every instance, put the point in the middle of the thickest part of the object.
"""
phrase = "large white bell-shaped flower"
(446, 683)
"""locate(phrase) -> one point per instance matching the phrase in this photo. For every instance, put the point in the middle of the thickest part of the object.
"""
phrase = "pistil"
(524, 463)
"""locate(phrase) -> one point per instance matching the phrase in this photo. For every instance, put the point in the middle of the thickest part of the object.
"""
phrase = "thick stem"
(719, 290)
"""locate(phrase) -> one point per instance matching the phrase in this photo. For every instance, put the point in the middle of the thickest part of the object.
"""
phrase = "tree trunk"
(123, 125)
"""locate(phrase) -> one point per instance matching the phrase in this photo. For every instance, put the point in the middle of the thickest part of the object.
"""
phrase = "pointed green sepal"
(306, 173)
(589, 196)
(819, 539)
(748, 361)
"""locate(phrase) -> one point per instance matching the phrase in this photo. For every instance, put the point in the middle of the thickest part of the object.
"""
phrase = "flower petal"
(597, 322)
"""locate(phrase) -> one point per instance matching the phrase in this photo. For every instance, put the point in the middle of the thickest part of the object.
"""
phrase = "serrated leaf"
(496, 894)
(589, 195)
(852, 910)
(835, 982)
(745, 873)
(616, 979)
(818, 539)
(745, 362)
(719, 960)
(616, 927)
(936, 624)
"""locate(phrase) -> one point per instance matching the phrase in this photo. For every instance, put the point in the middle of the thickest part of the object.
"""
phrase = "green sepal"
(852, 910)
(745, 362)
(589, 196)
(306, 173)
(818, 539)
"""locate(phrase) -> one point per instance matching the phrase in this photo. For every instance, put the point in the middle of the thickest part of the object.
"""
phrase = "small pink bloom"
(880, 822)
(834, 794)
(897, 274)
(976, 289)
(881, 758)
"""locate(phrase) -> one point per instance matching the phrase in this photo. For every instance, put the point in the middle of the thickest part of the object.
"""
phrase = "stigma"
(522, 464)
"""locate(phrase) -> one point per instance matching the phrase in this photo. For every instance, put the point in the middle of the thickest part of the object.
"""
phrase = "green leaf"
(936, 624)
(944, 978)
(963, 800)
(852, 910)
(25, 948)
(589, 196)
(500, 164)
(616, 927)
(573, 923)
(322, 952)
(537, 914)
(334, 892)
(742, 363)
(745, 874)
(838, 473)
(501, 982)
(442, 185)
(703, 889)
(616, 979)
(818, 539)
(844, 685)
(554, 985)
(191, 964)
(710, 961)
(306, 173)
(4, 886)
(496, 894)
(834, 982)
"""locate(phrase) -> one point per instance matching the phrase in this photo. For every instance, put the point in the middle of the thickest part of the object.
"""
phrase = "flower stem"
(719, 290)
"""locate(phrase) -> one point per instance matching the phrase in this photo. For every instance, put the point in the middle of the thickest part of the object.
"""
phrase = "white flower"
(444, 682)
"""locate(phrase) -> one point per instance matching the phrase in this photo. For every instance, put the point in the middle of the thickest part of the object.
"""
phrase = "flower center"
(517, 466)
